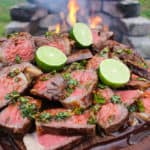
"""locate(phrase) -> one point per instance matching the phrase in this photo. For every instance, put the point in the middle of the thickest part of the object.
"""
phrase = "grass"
(145, 11)
(4, 13)
(6, 4)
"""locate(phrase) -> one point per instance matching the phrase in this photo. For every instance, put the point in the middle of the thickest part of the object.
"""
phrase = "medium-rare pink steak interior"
(80, 85)
(13, 78)
(18, 48)
(74, 105)
(50, 142)
(65, 122)
(15, 118)
(112, 116)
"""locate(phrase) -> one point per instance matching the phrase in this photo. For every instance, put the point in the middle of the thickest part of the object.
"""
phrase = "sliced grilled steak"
(36, 141)
(94, 62)
(84, 81)
(101, 37)
(50, 87)
(103, 94)
(16, 78)
(19, 47)
(112, 116)
(60, 42)
(128, 97)
(72, 124)
(130, 57)
(79, 55)
(138, 83)
(12, 118)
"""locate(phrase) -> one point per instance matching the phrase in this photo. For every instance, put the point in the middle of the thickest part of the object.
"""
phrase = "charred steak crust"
(49, 87)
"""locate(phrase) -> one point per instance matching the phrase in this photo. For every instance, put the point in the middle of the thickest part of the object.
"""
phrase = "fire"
(95, 21)
(57, 29)
(73, 8)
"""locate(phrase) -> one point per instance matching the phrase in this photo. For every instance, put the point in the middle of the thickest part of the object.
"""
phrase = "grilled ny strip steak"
(128, 97)
(49, 86)
(78, 93)
(37, 141)
(12, 118)
(60, 42)
(66, 123)
(16, 78)
(19, 47)
(112, 116)
(79, 55)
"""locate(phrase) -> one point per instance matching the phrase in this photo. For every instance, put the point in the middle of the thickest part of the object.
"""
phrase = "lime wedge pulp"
(50, 58)
(114, 73)
(82, 34)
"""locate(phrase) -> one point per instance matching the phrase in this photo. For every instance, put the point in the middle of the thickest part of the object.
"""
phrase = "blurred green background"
(6, 4)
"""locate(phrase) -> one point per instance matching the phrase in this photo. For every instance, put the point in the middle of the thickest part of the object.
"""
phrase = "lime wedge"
(82, 34)
(50, 58)
(114, 73)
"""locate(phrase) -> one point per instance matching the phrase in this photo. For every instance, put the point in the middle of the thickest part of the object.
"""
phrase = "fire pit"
(121, 16)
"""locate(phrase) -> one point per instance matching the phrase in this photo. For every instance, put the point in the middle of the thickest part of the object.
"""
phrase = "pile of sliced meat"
(71, 108)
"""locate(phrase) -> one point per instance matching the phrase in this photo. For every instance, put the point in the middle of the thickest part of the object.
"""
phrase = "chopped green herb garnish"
(115, 99)
(23, 100)
(44, 117)
(110, 119)
(141, 79)
(72, 83)
(12, 96)
(95, 108)
(128, 51)
(132, 108)
(45, 78)
(14, 73)
(62, 115)
(16, 79)
(99, 99)
(66, 76)
(104, 52)
(28, 110)
(140, 106)
(18, 59)
(78, 111)
(92, 120)
(102, 86)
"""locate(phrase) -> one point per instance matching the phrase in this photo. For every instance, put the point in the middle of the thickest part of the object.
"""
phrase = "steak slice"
(19, 45)
(103, 94)
(12, 119)
(79, 55)
(16, 78)
(80, 95)
(61, 42)
(94, 62)
(72, 125)
(48, 86)
(100, 37)
(128, 97)
(36, 141)
(138, 83)
(112, 116)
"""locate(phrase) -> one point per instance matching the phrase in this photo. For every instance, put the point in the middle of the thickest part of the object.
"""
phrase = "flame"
(73, 8)
(95, 21)
(57, 29)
